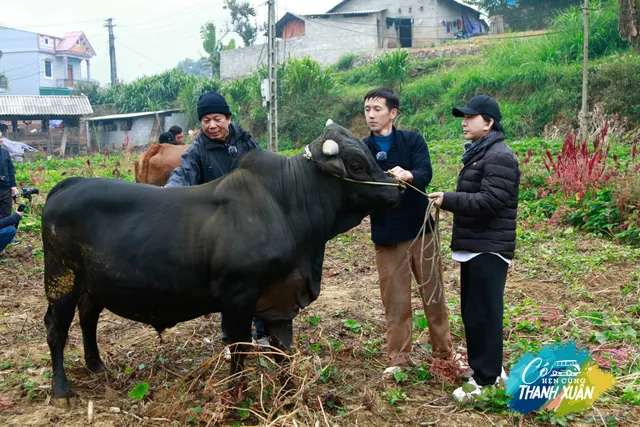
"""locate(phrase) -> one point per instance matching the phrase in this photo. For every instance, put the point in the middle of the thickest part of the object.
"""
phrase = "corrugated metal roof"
(36, 105)
(130, 115)
(355, 12)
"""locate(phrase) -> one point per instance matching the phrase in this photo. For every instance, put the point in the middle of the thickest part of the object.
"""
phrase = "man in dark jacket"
(7, 181)
(215, 152)
(406, 155)
(177, 133)
(484, 210)
(8, 229)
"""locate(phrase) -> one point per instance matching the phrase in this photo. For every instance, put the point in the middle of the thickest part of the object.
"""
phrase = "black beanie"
(167, 137)
(212, 103)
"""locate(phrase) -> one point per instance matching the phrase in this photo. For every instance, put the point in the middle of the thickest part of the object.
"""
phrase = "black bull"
(251, 242)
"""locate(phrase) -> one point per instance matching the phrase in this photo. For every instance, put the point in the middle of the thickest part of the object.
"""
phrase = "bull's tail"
(144, 166)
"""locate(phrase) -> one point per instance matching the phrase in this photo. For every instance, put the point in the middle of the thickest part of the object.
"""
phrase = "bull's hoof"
(95, 365)
(64, 402)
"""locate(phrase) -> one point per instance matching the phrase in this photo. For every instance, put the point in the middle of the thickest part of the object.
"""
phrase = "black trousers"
(482, 281)
(5, 203)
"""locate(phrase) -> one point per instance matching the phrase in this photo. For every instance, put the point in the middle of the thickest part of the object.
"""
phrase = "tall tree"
(629, 17)
(241, 13)
(213, 46)
(201, 67)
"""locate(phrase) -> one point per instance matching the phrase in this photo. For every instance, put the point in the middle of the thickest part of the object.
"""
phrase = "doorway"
(404, 32)
(70, 75)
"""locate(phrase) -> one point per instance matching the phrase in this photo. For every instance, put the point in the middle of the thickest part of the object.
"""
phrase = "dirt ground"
(184, 370)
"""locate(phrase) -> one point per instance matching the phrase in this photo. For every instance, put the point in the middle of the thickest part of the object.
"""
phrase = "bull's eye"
(355, 167)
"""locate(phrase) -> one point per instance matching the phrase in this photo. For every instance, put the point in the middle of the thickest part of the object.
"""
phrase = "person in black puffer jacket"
(484, 210)
(216, 152)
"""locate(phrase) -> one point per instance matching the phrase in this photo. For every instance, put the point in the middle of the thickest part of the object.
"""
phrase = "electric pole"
(112, 52)
(272, 100)
(584, 114)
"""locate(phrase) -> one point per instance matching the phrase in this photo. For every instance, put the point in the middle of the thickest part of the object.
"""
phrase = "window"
(46, 40)
(78, 42)
(47, 69)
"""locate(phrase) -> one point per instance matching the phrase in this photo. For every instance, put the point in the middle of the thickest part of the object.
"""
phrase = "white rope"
(434, 241)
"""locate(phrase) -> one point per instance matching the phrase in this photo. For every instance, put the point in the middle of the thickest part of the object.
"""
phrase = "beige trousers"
(394, 271)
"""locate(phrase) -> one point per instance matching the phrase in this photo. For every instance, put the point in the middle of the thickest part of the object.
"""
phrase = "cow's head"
(338, 152)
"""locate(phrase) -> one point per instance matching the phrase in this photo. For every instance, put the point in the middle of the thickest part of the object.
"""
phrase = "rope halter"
(401, 184)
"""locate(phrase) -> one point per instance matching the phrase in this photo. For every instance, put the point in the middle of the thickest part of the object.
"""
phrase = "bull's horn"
(329, 122)
(330, 147)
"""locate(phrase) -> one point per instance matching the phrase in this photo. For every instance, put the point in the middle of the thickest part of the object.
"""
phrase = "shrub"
(243, 95)
(149, 93)
(189, 96)
(392, 68)
(88, 88)
(587, 187)
(577, 170)
(306, 77)
(616, 83)
(346, 61)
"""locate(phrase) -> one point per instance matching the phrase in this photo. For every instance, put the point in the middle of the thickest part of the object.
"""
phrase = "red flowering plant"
(577, 170)
(587, 185)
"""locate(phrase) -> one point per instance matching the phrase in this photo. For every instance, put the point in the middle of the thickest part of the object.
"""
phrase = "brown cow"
(154, 166)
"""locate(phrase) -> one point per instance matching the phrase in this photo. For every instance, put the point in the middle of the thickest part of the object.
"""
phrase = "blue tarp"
(471, 28)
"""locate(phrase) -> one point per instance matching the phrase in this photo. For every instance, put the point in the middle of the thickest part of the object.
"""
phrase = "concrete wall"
(426, 29)
(176, 119)
(20, 61)
(325, 41)
(140, 133)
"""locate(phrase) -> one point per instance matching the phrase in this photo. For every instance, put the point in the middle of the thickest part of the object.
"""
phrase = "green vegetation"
(537, 80)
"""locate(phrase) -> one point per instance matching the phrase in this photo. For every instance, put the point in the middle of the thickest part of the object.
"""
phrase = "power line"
(13, 79)
(138, 53)
(22, 66)
(171, 17)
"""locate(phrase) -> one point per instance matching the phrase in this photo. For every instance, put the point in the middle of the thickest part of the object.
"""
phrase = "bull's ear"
(332, 165)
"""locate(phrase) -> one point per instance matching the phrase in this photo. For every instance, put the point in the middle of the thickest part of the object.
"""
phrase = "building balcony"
(69, 83)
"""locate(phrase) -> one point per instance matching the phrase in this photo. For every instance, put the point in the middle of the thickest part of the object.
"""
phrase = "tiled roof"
(69, 40)
(35, 105)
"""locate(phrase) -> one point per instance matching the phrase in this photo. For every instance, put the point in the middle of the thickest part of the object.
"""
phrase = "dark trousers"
(5, 203)
(257, 334)
(482, 281)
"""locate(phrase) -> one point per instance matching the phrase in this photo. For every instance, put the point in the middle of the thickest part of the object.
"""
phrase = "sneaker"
(502, 379)
(468, 391)
(264, 341)
(391, 371)
(471, 389)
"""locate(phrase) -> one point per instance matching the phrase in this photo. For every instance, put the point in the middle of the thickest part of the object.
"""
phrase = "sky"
(151, 36)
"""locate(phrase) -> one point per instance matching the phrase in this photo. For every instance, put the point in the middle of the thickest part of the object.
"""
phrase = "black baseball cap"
(481, 104)
(167, 137)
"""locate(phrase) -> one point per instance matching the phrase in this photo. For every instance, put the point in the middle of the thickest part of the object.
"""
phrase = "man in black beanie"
(215, 152)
